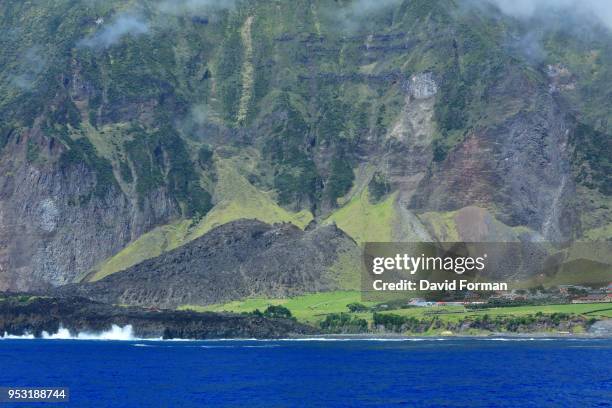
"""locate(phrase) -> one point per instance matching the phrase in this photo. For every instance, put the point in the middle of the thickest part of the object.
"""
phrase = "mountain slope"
(236, 260)
(235, 198)
(127, 117)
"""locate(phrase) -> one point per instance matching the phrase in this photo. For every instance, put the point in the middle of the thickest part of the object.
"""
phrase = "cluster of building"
(589, 295)
(573, 293)
(418, 302)
(564, 293)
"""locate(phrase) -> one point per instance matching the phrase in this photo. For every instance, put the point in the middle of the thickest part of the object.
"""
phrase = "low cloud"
(363, 8)
(578, 18)
(599, 10)
(529, 45)
(355, 15)
(134, 23)
(199, 114)
(181, 7)
(31, 64)
(126, 24)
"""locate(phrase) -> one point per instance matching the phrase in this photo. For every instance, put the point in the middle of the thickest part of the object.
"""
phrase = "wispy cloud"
(362, 8)
(180, 7)
(599, 10)
(578, 18)
(354, 15)
(134, 23)
(31, 64)
(125, 24)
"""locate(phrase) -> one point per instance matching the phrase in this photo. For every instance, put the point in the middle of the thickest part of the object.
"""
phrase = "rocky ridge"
(236, 260)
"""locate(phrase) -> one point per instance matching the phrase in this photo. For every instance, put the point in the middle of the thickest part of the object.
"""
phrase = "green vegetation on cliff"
(366, 221)
(177, 117)
(236, 198)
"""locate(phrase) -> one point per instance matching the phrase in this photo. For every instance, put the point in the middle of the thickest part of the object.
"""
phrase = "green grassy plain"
(456, 313)
(312, 308)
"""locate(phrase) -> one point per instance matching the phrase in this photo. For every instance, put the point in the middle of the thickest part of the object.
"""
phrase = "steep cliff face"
(520, 168)
(120, 120)
(57, 223)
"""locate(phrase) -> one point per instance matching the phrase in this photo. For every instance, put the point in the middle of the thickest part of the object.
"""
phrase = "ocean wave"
(12, 336)
(125, 333)
(243, 346)
(156, 343)
(328, 339)
(382, 339)
(122, 333)
(519, 339)
(262, 346)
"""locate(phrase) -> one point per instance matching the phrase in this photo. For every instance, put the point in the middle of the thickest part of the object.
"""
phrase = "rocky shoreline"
(32, 315)
(39, 316)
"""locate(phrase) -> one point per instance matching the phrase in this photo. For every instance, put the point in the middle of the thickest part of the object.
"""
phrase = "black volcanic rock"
(22, 314)
(236, 260)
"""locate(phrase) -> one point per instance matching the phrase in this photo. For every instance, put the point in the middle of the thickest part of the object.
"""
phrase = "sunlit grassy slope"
(600, 233)
(471, 224)
(365, 221)
(236, 199)
(149, 245)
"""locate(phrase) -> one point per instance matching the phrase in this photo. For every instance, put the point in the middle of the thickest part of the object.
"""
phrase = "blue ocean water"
(422, 373)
